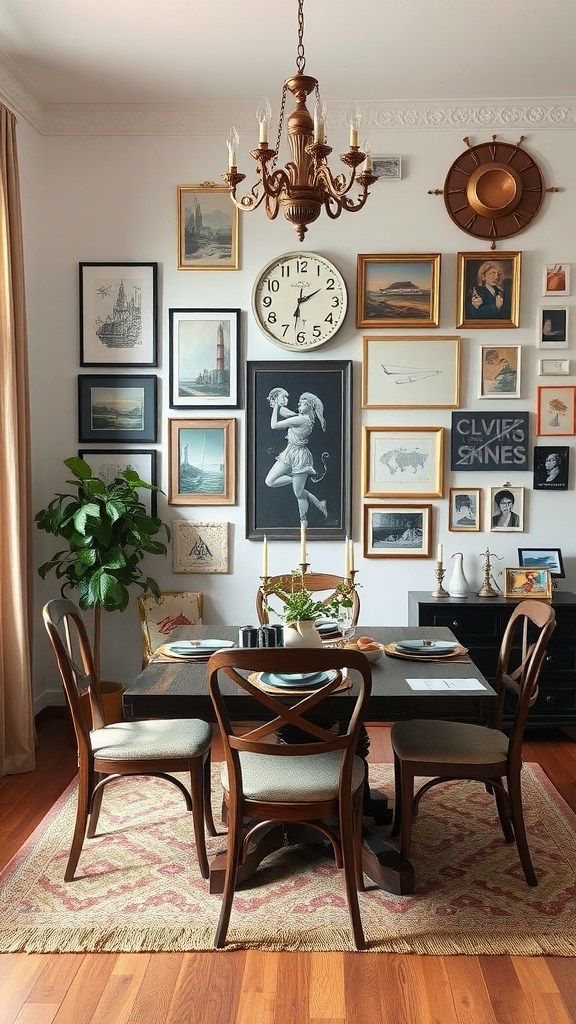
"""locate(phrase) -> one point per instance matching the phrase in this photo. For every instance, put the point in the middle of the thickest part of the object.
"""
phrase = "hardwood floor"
(249, 987)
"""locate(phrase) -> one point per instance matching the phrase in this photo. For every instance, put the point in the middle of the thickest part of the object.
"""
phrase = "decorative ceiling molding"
(495, 115)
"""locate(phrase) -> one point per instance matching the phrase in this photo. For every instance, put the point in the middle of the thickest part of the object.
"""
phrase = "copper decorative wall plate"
(493, 190)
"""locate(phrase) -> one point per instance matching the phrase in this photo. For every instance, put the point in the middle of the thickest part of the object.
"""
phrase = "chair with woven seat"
(316, 582)
(107, 752)
(269, 783)
(159, 619)
(443, 751)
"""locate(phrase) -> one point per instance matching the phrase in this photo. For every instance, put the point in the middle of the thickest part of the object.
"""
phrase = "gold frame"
(228, 494)
(452, 494)
(370, 488)
(512, 576)
(207, 188)
(464, 282)
(365, 261)
(410, 376)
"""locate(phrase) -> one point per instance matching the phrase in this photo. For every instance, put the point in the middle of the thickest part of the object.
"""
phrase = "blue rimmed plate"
(297, 680)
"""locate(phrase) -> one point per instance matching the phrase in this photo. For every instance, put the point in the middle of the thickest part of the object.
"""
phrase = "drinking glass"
(345, 623)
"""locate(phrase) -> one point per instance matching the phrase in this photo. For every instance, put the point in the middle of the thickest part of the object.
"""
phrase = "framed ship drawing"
(118, 314)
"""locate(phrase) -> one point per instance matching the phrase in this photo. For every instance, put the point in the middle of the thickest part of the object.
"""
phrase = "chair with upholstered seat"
(159, 619)
(444, 751)
(106, 752)
(314, 780)
(320, 583)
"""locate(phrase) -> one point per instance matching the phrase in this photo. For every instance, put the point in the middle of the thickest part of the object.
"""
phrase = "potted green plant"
(300, 610)
(108, 532)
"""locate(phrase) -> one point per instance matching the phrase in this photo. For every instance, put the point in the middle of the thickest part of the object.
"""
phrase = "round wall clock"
(493, 190)
(299, 300)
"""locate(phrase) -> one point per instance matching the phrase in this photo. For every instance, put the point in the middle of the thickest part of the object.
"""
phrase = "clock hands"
(302, 298)
(306, 297)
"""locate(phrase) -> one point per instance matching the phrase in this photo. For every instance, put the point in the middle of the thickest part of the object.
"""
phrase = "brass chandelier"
(306, 184)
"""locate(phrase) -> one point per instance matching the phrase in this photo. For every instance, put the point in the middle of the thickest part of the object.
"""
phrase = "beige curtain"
(16, 710)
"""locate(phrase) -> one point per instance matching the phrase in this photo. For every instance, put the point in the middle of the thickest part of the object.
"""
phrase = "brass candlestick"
(439, 572)
(487, 590)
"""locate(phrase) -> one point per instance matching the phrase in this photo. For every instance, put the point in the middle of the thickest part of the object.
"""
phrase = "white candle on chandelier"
(354, 120)
(232, 143)
(265, 556)
(302, 544)
(264, 116)
(319, 118)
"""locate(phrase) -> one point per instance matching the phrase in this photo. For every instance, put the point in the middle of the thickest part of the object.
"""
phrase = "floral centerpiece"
(300, 605)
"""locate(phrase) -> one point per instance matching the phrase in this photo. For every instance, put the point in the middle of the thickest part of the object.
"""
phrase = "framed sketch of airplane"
(411, 372)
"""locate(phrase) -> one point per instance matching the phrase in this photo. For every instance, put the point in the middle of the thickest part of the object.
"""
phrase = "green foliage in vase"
(299, 604)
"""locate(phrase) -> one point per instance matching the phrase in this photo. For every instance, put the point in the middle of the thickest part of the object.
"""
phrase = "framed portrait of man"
(488, 289)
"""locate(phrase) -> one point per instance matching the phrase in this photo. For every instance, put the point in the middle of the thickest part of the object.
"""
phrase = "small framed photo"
(500, 371)
(202, 462)
(507, 509)
(403, 462)
(465, 509)
(207, 228)
(553, 367)
(410, 372)
(488, 289)
(204, 358)
(118, 314)
(108, 463)
(523, 583)
(398, 291)
(388, 168)
(199, 547)
(551, 468)
(119, 408)
(544, 558)
(552, 327)
(397, 531)
(556, 279)
(556, 411)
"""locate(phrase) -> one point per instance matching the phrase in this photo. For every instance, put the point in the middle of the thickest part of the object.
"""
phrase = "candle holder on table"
(440, 573)
(487, 590)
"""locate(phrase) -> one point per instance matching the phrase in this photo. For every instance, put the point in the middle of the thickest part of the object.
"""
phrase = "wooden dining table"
(448, 689)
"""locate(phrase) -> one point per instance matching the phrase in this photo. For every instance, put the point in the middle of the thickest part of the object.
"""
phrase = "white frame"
(517, 349)
(210, 536)
(552, 266)
(553, 367)
(518, 494)
(544, 313)
(411, 372)
(192, 343)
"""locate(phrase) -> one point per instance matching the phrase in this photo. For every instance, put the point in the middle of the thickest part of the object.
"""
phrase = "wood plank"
(83, 998)
(208, 988)
(471, 999)
(293, 988)
(326, 1001)
(541, 990)
(259, 985)
(506, 994)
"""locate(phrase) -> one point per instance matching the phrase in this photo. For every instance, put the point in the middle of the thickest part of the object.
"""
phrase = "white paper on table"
(445, 684)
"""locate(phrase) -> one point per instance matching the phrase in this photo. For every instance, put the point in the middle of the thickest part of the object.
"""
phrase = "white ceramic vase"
(458, 585)
(302, 634)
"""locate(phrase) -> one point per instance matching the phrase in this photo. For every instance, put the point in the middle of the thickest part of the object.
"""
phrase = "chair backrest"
(159, 619)
(520, 660)
(303, 713)
(69, 639)
(315, 582)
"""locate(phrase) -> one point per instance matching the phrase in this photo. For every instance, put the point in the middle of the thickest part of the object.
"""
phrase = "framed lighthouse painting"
(204, 358)
(118, 314)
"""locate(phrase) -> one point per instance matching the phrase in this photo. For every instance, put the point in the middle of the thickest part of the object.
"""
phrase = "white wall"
(99, 198)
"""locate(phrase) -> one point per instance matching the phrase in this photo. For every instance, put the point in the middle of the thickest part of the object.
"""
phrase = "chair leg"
(232, 861)
(406, 808)
(357, 812)
(397, 797)
(208, 817)
(350, 883)
(515, 796)
(503, 807)
(84, 785)
(95, 809)
(197, 791)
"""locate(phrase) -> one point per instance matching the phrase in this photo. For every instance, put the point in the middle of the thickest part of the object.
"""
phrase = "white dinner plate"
(426, 646)
(188, 648)
(297, 680)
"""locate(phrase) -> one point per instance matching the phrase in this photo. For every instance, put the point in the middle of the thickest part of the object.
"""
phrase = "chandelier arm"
(337, 185)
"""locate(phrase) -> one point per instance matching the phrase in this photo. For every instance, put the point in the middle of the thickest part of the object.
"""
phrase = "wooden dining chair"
(447, 751)
(159, 619)
(316, 582)
(106, 752)
(269, 782)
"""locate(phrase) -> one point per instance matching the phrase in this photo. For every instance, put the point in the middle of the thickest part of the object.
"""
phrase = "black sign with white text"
(485, 442)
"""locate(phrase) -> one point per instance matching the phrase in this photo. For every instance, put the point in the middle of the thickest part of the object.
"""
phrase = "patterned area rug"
(139, 886)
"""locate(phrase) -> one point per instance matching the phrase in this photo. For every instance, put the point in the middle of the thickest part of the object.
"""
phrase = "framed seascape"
(202, 462)
(488, 289)
(108, 463)
(207, 228)
(204, 358)
(119, 408)
(545, 558)
(397, 531)
(403, 462)
(118, 314)
(398, 291)
(299, 449)
(410, 372)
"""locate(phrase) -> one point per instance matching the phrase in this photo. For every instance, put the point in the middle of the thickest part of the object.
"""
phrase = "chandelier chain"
(300, 55)
(280, 126)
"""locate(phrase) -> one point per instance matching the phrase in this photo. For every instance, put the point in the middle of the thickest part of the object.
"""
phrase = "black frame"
(150, 306)
(207, 401)
(268, 510)
(489, 442)
(148, 498)
(527, 563)
(149, 431)
(541, 453)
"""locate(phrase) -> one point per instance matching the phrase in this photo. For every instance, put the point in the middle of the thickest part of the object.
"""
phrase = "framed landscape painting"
(546, 558)
(411, 372)
(397, 531)
(398, 291)
(204, 358)
(298, 447)
(403, 462)
(117, 408)
(118, 314)
(207, 228)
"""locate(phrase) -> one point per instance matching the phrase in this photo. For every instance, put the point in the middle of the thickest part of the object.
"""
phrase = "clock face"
(299, 300)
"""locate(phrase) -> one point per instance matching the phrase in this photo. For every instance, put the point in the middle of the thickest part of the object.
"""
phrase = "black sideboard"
(479, 624)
